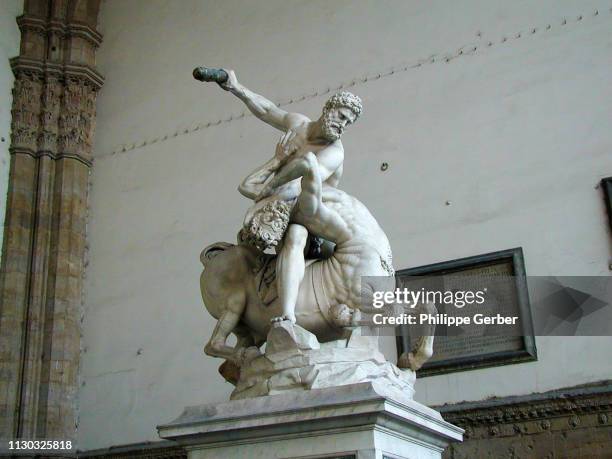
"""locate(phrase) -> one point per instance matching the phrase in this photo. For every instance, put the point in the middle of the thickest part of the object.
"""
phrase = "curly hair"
(344, 99)
(267, 234)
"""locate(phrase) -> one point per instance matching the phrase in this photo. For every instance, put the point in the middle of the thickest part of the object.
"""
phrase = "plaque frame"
(527, 353)
(606, 184)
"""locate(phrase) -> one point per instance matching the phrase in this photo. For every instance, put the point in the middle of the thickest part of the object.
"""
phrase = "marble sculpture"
(301, 266)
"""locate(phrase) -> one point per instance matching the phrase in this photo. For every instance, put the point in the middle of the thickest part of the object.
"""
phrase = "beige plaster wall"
(9, 47)
(516, 134)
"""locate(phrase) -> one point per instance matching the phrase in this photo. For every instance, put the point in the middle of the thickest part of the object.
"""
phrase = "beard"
(331, 131)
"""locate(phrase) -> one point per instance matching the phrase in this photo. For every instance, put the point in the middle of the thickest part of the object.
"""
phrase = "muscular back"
(342, 219)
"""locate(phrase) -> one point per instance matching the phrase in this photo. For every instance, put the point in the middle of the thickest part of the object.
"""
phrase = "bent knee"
(211, 349)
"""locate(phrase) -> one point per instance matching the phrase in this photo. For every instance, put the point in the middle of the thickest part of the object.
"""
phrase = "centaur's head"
(265, 226)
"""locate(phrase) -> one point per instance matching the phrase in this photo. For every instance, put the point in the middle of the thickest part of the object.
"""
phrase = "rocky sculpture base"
(295, 361)
(355, 421)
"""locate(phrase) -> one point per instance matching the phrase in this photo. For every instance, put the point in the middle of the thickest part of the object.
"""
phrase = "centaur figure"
(331, 291)
(296, 200)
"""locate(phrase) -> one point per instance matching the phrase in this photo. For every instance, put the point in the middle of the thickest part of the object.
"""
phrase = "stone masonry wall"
(53, 119)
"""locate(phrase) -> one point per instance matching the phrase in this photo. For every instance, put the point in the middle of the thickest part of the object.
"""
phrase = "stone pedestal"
(358, 421)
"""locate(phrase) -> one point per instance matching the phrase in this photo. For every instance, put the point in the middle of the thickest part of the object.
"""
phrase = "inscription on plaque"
(501, 276)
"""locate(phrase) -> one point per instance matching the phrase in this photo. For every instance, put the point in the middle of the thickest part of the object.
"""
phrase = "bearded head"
(339, 111)
(265, 227)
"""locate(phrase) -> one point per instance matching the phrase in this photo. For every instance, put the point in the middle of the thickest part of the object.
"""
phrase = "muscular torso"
(362, 247)
(342, 217)
(300, 141)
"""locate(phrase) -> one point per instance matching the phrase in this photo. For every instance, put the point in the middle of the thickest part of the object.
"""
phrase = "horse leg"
(244, 338)
(246, 341)
(226, 324)
(228, 369)
(423, 348)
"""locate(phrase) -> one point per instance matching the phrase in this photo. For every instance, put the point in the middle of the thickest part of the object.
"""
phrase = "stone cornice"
(32, 24)
(72, 29)
(37, 154)
(579, 407)
(150, 450)
(69, 70)
(577, 400)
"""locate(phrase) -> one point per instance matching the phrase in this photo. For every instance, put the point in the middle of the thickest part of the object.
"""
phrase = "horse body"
(327, 283)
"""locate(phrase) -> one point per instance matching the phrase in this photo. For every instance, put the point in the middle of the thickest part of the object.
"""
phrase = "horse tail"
(212, 251)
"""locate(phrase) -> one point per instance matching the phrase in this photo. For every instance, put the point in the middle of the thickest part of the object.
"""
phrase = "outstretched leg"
(308, 210)
(290, 268)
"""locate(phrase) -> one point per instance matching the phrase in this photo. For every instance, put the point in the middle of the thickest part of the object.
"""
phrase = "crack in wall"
(438, 58)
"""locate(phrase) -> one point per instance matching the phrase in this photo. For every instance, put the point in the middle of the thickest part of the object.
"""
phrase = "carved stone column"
(44, 241)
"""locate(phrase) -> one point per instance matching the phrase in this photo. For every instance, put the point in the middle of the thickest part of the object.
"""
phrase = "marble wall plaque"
(470, 348)
(606, 185)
